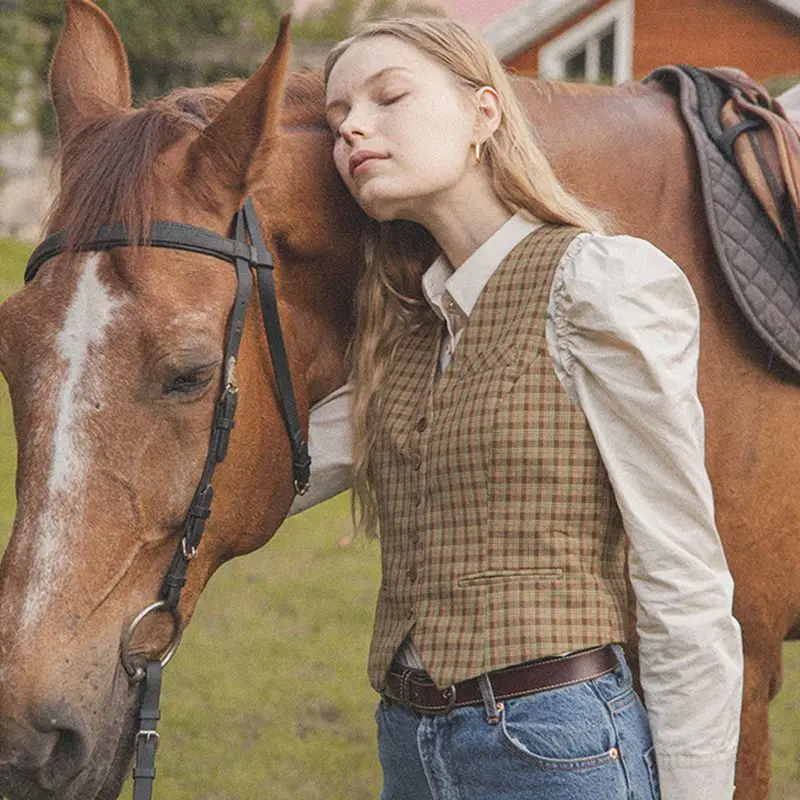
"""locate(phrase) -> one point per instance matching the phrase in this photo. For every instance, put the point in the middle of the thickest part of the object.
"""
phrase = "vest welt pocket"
(497, 356)
(499, 575)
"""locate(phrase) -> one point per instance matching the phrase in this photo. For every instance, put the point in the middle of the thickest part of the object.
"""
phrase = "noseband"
(246, 251)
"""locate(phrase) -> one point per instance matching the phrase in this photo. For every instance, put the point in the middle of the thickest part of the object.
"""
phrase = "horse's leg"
(762, 675)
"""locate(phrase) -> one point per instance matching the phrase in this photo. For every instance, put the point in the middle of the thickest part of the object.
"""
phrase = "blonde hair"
(389, 300)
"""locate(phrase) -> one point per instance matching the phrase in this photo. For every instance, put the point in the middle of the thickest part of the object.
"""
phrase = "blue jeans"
(588, 740)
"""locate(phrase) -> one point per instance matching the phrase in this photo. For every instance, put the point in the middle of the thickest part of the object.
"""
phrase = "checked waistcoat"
(501, 541)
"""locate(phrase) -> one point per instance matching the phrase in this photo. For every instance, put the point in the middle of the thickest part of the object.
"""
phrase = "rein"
(246, 251)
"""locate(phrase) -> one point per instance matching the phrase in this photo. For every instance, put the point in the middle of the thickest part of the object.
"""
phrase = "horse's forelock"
(108, 166)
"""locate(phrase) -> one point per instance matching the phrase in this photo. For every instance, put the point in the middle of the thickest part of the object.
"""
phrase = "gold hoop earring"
(477, 147)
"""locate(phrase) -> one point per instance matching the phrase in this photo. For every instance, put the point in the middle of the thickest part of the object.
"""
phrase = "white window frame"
(554, 55)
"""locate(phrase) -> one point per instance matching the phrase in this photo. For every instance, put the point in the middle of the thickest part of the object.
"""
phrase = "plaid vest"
(501, 541)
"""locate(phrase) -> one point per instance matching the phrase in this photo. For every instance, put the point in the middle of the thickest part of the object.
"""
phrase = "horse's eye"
(189, 383)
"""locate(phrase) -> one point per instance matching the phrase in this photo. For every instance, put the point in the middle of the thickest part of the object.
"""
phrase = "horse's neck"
(609, 145)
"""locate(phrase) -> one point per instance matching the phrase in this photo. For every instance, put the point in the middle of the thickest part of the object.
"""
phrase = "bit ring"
(136, 673)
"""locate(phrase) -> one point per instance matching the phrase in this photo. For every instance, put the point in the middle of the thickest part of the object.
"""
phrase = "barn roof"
(534, 19)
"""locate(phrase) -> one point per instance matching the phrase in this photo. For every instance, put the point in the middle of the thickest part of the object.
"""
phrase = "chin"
(380, 202)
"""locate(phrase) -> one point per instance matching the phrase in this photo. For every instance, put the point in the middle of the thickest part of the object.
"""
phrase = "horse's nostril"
(68, 745)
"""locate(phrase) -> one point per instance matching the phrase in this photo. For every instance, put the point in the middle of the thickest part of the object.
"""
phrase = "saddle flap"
(748, 155)
(766, 148)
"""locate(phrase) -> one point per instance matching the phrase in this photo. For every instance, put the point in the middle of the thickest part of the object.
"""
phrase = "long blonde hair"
(389, 299)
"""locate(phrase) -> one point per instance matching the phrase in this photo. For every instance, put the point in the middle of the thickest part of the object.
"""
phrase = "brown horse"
(113, 363)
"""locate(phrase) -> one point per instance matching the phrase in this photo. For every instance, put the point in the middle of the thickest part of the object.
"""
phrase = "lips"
(363, 157)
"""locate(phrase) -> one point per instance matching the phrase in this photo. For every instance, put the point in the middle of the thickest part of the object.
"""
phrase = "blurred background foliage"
(22, 57)
(171, 43)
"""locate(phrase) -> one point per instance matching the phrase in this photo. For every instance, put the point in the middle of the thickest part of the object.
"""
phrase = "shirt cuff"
(692, 777)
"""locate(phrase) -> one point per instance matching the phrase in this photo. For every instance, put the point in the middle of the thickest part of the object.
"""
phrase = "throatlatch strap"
(265, 280)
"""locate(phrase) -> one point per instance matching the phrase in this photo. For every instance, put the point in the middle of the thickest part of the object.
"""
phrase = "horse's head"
(114, 362)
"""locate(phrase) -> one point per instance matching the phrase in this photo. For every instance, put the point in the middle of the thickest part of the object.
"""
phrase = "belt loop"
(492, 707)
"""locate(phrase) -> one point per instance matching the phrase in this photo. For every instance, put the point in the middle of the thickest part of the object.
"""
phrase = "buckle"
(449, 696)
(148, 736)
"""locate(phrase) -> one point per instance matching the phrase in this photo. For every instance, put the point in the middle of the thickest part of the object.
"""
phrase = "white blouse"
(623, 334)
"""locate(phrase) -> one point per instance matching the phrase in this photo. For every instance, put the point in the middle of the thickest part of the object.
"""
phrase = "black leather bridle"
(246, 251)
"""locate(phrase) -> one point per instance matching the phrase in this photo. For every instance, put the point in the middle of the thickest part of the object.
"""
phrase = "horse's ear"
(89, 74)
(225, 150)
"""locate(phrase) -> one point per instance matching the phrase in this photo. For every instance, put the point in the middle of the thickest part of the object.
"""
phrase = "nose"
(354, 126)
(47, 746)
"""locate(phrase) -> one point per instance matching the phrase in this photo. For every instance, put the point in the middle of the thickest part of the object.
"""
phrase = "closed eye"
(392, 100)
(189, 383)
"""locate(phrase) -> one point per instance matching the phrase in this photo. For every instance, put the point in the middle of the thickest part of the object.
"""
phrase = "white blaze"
(91, 311)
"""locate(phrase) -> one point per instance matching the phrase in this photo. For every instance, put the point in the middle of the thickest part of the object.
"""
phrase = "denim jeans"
(588, 740)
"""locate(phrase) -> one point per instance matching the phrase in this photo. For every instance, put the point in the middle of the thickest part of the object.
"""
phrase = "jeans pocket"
(652, 771)
(537, 731)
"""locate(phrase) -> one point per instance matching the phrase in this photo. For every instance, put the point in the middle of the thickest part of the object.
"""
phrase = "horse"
(113, 361)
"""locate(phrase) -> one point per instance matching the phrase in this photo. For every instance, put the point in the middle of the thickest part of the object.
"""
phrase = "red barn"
(616, 40)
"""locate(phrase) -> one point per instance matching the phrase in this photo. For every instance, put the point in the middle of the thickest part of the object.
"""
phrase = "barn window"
(599, 49)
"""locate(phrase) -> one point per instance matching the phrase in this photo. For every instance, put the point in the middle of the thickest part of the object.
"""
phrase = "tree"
(21, 57)
(333, 21)
(160, 36)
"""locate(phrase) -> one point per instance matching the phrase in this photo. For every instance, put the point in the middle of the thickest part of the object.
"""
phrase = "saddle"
(748, 151)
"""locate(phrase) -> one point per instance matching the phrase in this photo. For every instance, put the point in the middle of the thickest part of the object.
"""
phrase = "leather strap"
(414, 689)
(170, 235)
(144, 768)
(265, 279)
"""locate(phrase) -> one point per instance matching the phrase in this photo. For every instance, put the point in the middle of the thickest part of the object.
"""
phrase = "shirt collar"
(465, 284)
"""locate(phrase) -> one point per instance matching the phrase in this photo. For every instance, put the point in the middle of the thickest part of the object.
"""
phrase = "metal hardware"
(147, 736)
(136, 673)
(231, 384)
(188, 552)
(449, 696)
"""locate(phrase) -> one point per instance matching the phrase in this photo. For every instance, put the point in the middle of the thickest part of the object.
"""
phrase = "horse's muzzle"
(41, 753)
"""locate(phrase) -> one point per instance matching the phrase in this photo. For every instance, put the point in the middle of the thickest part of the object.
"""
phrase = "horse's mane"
(108, 166)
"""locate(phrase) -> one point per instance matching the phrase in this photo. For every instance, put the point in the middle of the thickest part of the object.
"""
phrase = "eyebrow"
(372, 79)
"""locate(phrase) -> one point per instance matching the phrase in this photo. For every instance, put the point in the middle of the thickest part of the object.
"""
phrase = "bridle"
(245, 256)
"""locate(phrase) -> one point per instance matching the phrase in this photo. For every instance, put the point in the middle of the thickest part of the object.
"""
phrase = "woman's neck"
(464, 220)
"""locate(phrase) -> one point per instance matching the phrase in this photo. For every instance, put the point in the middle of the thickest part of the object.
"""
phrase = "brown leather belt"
(414, 689)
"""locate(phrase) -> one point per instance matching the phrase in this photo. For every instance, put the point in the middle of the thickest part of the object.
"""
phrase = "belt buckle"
(449, 696)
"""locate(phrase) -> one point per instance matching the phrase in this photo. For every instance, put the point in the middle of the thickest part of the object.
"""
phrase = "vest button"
(412, 573)
(410, 612)
(417, 461)
(422, 424)
(414, 537)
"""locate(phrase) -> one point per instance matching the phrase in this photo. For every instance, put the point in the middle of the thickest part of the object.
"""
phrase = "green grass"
(267, 696)
(13, 256)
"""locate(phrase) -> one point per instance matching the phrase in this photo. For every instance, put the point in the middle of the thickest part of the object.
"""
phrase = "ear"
(489, 112)
(227, 147)
(89, 73)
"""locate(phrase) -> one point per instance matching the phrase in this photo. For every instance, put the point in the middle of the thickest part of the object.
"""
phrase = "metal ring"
(136, 673)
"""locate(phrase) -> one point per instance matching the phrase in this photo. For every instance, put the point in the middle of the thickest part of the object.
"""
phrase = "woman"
(519, 405)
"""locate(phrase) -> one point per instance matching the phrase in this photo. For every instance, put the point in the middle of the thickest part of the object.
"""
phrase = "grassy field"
(267, 697)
